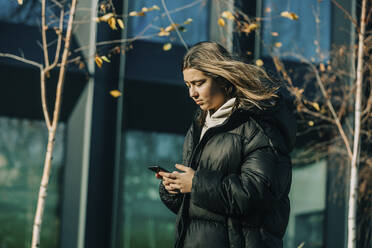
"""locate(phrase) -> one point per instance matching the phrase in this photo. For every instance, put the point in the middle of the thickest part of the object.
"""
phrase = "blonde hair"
(250, 84)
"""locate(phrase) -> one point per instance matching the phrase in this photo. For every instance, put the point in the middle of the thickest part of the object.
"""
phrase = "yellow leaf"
(112, 23)
(144, 9)
(115, 93)
(310, 123)
(322, 67)
(105, 59)
(278, 44)
(171, 27)
(98, 61)
(167, 47)
(259, 62)
(249, 53)
(156, 7)
(106, 17)
(121, 23)
(20, 2)
(247, 28)
(163, 32)
(221, 22)
(275, 34)
(316, 106)
(133, 13)
(103, 7)
(228, 15)
(188, 21)
(289, 15)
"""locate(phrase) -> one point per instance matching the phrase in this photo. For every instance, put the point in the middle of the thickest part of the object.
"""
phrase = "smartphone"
(156, 169)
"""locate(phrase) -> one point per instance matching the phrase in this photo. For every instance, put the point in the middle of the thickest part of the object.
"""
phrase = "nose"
(192, 92)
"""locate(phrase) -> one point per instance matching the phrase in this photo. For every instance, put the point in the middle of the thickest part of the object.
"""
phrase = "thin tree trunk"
(52, 133)
(353, 193)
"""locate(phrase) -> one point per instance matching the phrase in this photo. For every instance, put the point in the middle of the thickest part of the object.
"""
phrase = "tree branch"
(172, 22)
(43, 34)
(26, 61)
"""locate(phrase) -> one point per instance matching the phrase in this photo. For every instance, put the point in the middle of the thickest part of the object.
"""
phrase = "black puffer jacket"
(239, 195)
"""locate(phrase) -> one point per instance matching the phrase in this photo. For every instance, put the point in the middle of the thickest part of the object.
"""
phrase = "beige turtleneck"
(218, 117)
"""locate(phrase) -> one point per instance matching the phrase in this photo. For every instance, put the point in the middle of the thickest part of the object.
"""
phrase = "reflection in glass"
(308, 36)
(22, 149)
(147, 222)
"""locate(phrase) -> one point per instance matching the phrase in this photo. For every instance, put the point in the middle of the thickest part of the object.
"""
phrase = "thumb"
(181, 167)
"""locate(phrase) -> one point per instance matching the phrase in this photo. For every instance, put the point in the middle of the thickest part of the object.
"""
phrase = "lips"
(198, 102)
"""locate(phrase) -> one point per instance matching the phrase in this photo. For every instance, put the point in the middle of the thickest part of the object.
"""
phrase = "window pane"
(196, 31)
(147, 222)
(22, 150)
(301, 36)
(308, 202)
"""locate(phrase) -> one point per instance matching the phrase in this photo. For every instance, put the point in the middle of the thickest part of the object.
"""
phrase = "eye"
(199, 83)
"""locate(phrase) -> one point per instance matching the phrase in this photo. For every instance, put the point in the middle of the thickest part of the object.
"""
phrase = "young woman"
(232, 188)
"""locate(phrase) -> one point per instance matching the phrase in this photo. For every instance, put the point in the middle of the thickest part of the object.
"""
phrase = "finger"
(173, 175)
(164, 174)
(158, 176)
(182, 167)
(175, 181)
(173, 192)
(175, 186)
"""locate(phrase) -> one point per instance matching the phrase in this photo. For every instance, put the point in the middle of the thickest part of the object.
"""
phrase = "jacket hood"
(281, 116)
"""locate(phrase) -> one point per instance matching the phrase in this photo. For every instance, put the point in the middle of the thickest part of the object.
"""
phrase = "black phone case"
(157, 168)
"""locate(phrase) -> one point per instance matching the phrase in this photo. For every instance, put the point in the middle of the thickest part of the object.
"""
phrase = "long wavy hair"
(249, 84)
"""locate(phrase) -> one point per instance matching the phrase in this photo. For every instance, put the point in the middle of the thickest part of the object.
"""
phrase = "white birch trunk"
(52, 132)
(353, 193)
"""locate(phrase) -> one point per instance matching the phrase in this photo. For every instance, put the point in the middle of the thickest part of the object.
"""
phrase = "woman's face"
(203, 90)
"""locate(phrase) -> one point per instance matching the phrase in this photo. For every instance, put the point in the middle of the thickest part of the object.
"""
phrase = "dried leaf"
(274, 34)
(278, 44)
(221, 22)
(135, 13)
(115, 93)
(171, 27)
(121, 23)
(315, 105)
(259, 62)
(167, 47)
(103, 8)
(322, 67)
(155, 7)
(247, 28)
(188, 21)
(289, 15)
(20, 2)
(249, 53)
(112, 23)
(104, 58)
(228, 15)
(106, 17)
(310, 123)
(98, 61)
(163, 32)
